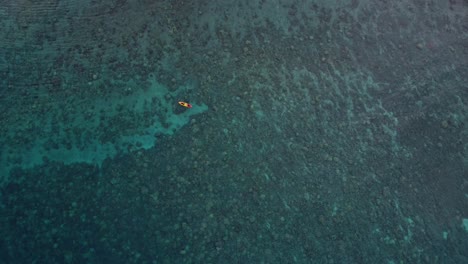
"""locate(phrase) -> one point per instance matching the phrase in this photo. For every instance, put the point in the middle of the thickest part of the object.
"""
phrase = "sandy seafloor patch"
(321, 131)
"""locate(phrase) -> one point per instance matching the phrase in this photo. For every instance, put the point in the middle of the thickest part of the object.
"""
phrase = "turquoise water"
(320, 132)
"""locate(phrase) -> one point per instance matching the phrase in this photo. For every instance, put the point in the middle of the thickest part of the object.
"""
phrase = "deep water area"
(315, 131)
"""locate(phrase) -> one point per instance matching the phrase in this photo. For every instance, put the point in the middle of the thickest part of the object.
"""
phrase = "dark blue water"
(319, 132)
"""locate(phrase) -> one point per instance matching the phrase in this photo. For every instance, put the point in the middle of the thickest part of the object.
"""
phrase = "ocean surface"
(321, 131)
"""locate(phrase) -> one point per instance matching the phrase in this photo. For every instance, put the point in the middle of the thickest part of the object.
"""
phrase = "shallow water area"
(320, 132)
